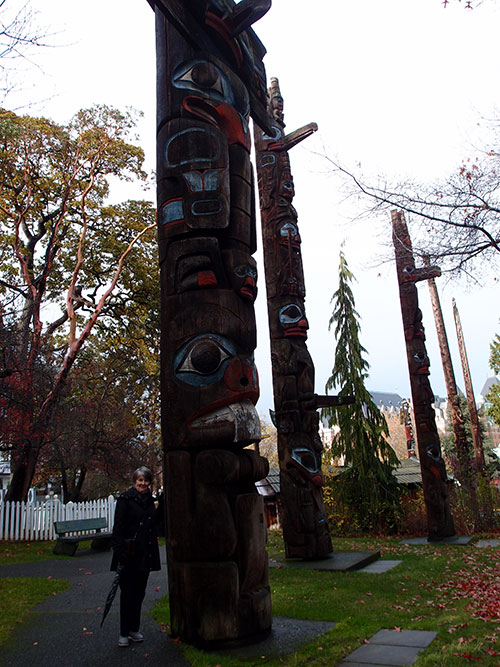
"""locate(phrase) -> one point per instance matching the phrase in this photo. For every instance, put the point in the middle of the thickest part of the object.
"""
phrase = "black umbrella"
(112, 592)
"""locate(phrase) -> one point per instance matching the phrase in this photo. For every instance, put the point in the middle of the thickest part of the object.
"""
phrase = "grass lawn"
(454, 590)
(25, 552)
(451, 589)
(18, 595)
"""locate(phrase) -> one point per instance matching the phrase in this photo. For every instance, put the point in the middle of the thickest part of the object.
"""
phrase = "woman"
(135, 548)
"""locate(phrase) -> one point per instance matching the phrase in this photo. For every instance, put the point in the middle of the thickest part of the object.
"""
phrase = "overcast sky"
(398, 86)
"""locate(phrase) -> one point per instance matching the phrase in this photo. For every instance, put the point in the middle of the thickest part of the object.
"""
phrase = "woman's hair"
(144, 472)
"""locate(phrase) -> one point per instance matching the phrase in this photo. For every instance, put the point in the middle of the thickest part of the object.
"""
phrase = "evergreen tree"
(493, 396)
(367, 488)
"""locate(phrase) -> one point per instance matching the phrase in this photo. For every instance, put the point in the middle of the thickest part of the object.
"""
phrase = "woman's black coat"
(135, 541)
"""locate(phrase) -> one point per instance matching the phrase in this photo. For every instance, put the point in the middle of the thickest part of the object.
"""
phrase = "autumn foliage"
(66, 262)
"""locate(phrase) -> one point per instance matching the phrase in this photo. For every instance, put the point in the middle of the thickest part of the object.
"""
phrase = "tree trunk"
(24, 469)
(26, 456)
(78, 480)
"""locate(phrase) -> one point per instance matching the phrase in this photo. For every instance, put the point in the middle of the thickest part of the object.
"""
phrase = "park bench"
(87, 529)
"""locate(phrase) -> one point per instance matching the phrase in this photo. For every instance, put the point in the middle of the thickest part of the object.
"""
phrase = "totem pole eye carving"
(210, 78)
(293, 321)
(434, 478)
(201, 362)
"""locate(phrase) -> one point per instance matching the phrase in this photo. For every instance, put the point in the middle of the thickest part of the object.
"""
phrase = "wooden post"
(469, 392)
(210, 76)
(434, 478)
(305, 527)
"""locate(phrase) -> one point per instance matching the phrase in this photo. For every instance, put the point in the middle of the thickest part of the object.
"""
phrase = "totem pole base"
(287, 636)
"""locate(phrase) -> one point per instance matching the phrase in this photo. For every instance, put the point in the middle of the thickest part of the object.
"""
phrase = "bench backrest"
(80, 525)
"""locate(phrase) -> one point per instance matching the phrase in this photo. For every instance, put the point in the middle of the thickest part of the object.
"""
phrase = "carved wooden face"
(214, 94)
(206, 228)
(289, 234)
(293, 321)
(242, 273)
(308, 463)
(213, 376)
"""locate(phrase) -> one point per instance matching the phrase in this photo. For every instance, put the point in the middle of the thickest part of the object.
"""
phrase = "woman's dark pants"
(132, 591)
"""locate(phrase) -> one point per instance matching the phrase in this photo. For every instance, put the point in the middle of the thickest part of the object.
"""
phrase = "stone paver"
(390, 648)
(379, 654)
(458, 540)
(380, 566)
(487, 543)
(418, 638)
(343, 561)
(359, 664)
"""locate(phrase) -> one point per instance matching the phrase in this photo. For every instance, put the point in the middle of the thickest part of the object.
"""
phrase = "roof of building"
(386, 399)
(270, 485)
(408, 472)
(490, 382)
(439, 400)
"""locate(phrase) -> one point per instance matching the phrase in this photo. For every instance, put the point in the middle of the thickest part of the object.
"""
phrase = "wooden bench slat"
(68, 544)
(78, 525)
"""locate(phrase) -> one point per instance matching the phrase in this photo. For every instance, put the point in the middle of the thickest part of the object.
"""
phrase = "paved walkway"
(63, 630)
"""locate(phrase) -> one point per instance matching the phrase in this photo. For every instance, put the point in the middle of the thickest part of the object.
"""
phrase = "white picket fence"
(35, 520)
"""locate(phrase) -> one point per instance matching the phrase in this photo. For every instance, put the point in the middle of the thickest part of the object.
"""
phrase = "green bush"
(360, 505)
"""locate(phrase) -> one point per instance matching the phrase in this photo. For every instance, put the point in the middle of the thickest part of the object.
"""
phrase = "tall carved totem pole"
(305, 529)
(434, 478)
(210, 79)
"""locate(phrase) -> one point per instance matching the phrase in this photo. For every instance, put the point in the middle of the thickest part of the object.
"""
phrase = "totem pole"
(305, 529)
(210, 78)
(434, 478)
(466, 473)
(405, 418)
(469, 392)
